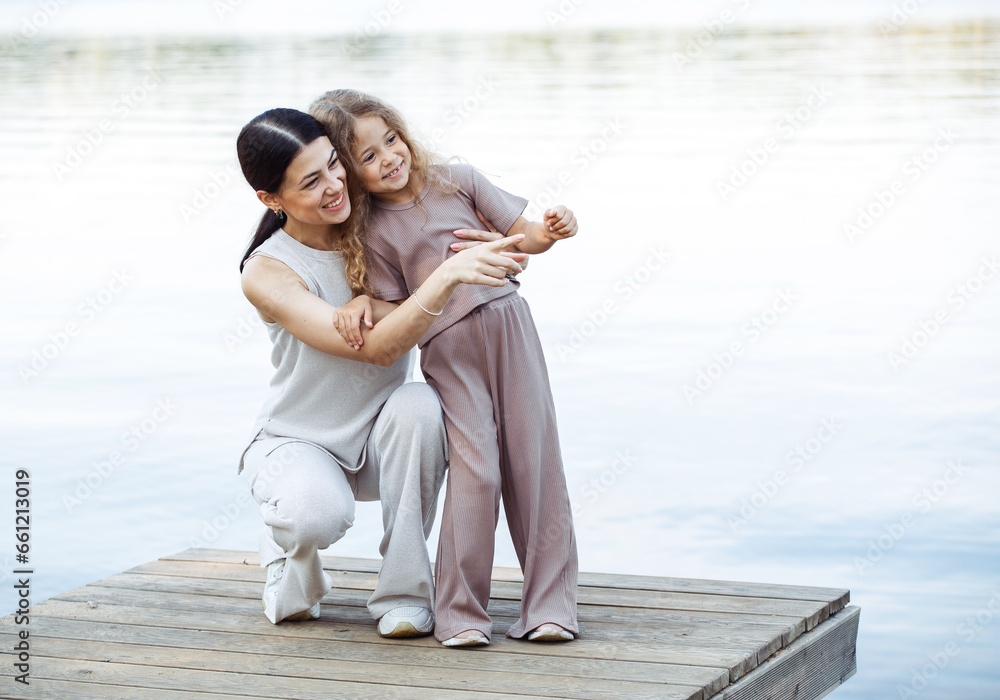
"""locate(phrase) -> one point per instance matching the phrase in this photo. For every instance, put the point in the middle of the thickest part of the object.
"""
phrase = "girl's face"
(384, 160)
(315, 187)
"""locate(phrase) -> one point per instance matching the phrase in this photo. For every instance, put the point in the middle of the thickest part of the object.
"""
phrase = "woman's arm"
(281, 296)
(360, 311)
(473, 237)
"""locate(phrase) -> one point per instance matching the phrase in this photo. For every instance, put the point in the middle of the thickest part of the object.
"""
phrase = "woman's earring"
(280, 214)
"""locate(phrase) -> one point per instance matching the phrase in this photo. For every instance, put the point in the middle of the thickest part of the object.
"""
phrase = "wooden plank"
(784, 627)
(679, 622)
(689, 625)
(741, 648)
(837, 597)
(229, 614)
(259, 659)
(136, 679)
(813, 612)
(379, 651)
(48, 689)
(737, 660)
(810, 668)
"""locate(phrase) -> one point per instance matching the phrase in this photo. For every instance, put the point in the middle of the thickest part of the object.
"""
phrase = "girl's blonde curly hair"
(338, 111)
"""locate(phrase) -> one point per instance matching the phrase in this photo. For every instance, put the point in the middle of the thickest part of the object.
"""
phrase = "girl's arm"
(282, 297)
(381, 309)
(560, 223)
(472, 237)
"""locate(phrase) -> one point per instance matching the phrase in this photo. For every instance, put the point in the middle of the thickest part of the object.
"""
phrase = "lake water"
(774, 344)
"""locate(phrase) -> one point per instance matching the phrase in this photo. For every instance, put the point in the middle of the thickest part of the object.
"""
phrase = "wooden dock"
(190, 627)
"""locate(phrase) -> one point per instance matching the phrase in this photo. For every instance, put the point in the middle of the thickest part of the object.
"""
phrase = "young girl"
(484, 359)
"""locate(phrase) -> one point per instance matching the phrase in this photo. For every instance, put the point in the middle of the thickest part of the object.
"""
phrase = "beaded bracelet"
(425, 308)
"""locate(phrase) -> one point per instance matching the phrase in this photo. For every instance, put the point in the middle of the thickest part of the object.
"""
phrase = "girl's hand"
(347, 320)
(560, 223)
(473, 237)
(486, 263)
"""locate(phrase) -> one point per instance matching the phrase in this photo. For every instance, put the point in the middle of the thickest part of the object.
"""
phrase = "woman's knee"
(413, 411)
(416, 403)
(318, 526)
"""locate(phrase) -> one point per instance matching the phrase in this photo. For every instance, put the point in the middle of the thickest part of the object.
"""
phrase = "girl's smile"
(383, 159)
(395, 171)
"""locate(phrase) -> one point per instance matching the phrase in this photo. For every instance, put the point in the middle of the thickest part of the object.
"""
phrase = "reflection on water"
(775, 335)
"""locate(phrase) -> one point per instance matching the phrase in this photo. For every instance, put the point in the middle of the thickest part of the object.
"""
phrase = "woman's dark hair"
(266, 147)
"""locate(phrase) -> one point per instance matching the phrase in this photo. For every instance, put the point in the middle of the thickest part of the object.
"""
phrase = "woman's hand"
(486, 263)
(347, 320)
(473, 237)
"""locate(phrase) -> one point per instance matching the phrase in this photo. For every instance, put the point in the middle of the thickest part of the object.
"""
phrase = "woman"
(339, 424)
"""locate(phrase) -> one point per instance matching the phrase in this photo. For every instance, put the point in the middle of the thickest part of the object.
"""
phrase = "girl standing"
(484, 359)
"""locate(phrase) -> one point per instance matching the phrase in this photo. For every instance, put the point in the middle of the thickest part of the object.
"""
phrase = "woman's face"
(315, 186)
(383, 159)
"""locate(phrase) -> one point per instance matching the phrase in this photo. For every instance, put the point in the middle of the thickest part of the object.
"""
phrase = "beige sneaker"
(406, 621)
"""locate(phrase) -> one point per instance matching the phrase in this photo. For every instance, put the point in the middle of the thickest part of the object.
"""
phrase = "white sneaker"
(406, 621)
(476, 640)
(551, 633)
(275, 570)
